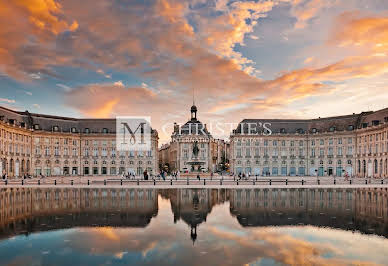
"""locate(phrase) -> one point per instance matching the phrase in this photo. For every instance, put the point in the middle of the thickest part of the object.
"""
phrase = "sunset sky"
(244, 59)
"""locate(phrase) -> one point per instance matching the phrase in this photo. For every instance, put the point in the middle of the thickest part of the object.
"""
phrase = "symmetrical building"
(52, 145)
(353, 145)
(192, 148)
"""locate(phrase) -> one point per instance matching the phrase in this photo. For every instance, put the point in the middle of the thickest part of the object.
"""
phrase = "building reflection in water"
(364, 210)
(26, 210)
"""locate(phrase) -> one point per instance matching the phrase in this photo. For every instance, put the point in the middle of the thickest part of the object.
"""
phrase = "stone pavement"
(192, 182)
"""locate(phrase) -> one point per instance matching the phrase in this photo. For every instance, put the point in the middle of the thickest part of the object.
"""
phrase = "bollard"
(382, 181)
(366, 181)
(138, 182)
(121, 182)
(237, 182)
(72, 182)
(350, 181)
(270, 182)
(55, 182)
(38, 182)
(171, 182)
(334, 181)
(302, 182)
(104, 182)
(319, 182)
(256, 177)
(204, 181)
(221, 182)
(234, 178)
(286, 182)
(187, 181)
(154, 182)
(88, 182)
(253, 182)
(22, 182)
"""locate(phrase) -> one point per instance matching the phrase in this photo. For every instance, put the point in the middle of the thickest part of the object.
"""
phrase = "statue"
(195, 149)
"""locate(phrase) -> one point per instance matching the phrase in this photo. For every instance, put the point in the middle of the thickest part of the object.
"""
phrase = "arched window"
(376, 166)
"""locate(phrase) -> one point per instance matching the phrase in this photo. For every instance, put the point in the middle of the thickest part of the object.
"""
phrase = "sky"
(240, 59)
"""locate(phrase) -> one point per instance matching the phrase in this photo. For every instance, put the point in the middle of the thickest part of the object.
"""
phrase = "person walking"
(162, 174)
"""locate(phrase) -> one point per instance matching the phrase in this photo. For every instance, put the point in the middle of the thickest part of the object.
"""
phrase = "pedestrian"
(163, 173)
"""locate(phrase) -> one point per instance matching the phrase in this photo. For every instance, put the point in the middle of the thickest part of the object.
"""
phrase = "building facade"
(54, 146)
(192, 148)
(352, 145)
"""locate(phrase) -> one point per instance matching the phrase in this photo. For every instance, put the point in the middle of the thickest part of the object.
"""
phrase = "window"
(73, 130)
(87, 130)
(105, 130)
(56, 151)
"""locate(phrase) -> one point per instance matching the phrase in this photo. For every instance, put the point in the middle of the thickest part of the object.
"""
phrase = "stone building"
(52, 145)
(192, 148)
(354, 145)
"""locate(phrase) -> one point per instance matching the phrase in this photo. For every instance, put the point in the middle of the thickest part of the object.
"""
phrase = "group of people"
(25, 176)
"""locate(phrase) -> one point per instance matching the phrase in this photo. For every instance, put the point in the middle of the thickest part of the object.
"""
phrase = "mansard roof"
(64, 124)
(326, 124)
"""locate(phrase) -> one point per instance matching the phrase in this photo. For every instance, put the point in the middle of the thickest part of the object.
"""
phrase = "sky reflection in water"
(196, 227)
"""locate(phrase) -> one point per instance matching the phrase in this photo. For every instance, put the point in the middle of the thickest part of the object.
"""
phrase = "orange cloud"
(358, 31)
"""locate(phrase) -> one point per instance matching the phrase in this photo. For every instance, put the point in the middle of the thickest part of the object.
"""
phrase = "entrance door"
(370, 169)
(320, 171)
(17, 168)
(330, 171)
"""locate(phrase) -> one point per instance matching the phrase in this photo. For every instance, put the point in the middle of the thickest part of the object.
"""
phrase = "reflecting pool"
(90, 226)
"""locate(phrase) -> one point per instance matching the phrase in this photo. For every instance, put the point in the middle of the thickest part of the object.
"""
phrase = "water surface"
(193, 226)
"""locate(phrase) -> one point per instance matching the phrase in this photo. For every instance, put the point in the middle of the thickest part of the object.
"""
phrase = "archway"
(17, 168)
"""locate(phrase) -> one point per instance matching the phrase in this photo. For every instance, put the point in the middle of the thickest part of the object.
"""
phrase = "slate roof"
(302, 126)
(65, 124)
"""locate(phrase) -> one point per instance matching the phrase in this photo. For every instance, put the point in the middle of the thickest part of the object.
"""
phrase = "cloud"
(37, 106)
(358, 31)
(100, 71)
(304, 11)
(64, 87)
(175, 46)
(7, 100)
(254, 37)
(119, 83)
(109, 99)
